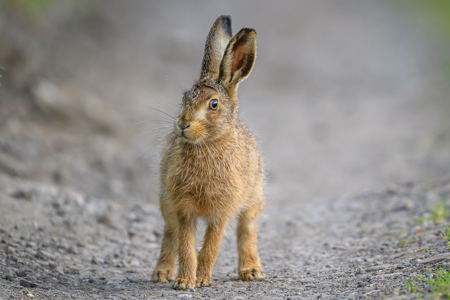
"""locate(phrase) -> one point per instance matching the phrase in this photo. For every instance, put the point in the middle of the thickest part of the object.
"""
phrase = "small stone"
(21, 194)
(27, 283)
(380, 267)
(107, 220)
(97, 261)
(215, 278)
(10, 250)
(31, 252)
(31, 244)
(13, 258)
(434, 259)
(44, 255)
(50, 99)
(29, 295)
(21, 273)
(441, 249)
(72, 250)
(135, 263)
(440, 233)
(123, 263)
(72, 271)
(10, 277)
(43, 264)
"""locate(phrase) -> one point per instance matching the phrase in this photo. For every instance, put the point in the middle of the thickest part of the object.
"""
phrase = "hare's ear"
(216, 42)
(239, 58)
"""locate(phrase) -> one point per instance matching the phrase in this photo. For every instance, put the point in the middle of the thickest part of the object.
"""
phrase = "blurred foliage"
(435, 17)
(32, 8)
(434, 14)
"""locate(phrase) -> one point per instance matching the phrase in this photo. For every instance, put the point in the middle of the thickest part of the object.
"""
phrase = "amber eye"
(213, 104)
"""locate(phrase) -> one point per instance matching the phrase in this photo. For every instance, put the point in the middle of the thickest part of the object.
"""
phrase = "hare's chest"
(204, 192)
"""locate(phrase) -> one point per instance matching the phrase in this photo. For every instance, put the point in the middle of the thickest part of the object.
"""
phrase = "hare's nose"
(183, 125)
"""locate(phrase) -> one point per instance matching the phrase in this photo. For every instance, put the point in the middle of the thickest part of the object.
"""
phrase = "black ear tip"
(248, 30)
(226, 23)
(226, 17)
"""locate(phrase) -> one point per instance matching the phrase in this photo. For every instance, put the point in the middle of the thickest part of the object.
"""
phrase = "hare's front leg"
(166, 266)
(249, 264)
(208, 255)
(186, 253)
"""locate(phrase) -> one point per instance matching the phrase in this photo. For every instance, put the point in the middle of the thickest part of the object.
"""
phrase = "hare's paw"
(203, 282)
(248, 274)
(163, 275)
(184, 283)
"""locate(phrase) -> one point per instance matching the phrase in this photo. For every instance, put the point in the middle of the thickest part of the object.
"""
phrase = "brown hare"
(211, 167)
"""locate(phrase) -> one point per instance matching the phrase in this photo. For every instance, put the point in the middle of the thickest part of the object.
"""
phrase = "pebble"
(380, 267)
(13, 258)
(434, 259)
(21, 194)
(29, 295)
(44, 255)
(97, 261)
(10, 277)
(72, 271)
(135, 263)
(31, 244)
(123, 264)
(26, 283)
(72, 250)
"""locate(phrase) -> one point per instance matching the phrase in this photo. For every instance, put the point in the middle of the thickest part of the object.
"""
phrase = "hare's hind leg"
(208, 255)
(166, 267)
(249, 264)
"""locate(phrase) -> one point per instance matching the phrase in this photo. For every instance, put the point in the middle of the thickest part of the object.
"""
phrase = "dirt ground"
(349, 104)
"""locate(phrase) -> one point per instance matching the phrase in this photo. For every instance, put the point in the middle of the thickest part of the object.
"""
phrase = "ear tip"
(226, 23)
(228, 17)
(248, 30)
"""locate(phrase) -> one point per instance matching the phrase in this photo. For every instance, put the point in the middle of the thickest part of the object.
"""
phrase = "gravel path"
(355, 102)
(69, 245)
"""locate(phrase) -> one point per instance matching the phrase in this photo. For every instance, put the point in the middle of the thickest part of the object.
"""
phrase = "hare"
(211, 167)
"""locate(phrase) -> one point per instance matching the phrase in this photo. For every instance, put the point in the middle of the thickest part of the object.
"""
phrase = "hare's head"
(210, 107)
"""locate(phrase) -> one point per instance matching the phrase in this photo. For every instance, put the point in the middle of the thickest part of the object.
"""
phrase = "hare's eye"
(213, 104)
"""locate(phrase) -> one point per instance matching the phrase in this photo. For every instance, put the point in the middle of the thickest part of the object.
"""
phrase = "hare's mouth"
(185, 137)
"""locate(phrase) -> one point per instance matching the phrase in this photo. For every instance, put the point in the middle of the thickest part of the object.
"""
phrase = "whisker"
(142, 122)
(162, 103)
(163, 112)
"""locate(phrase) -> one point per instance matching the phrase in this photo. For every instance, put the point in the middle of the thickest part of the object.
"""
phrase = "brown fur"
(211, 167)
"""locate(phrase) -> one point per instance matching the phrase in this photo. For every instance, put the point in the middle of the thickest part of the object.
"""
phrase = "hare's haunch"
(211, 167)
